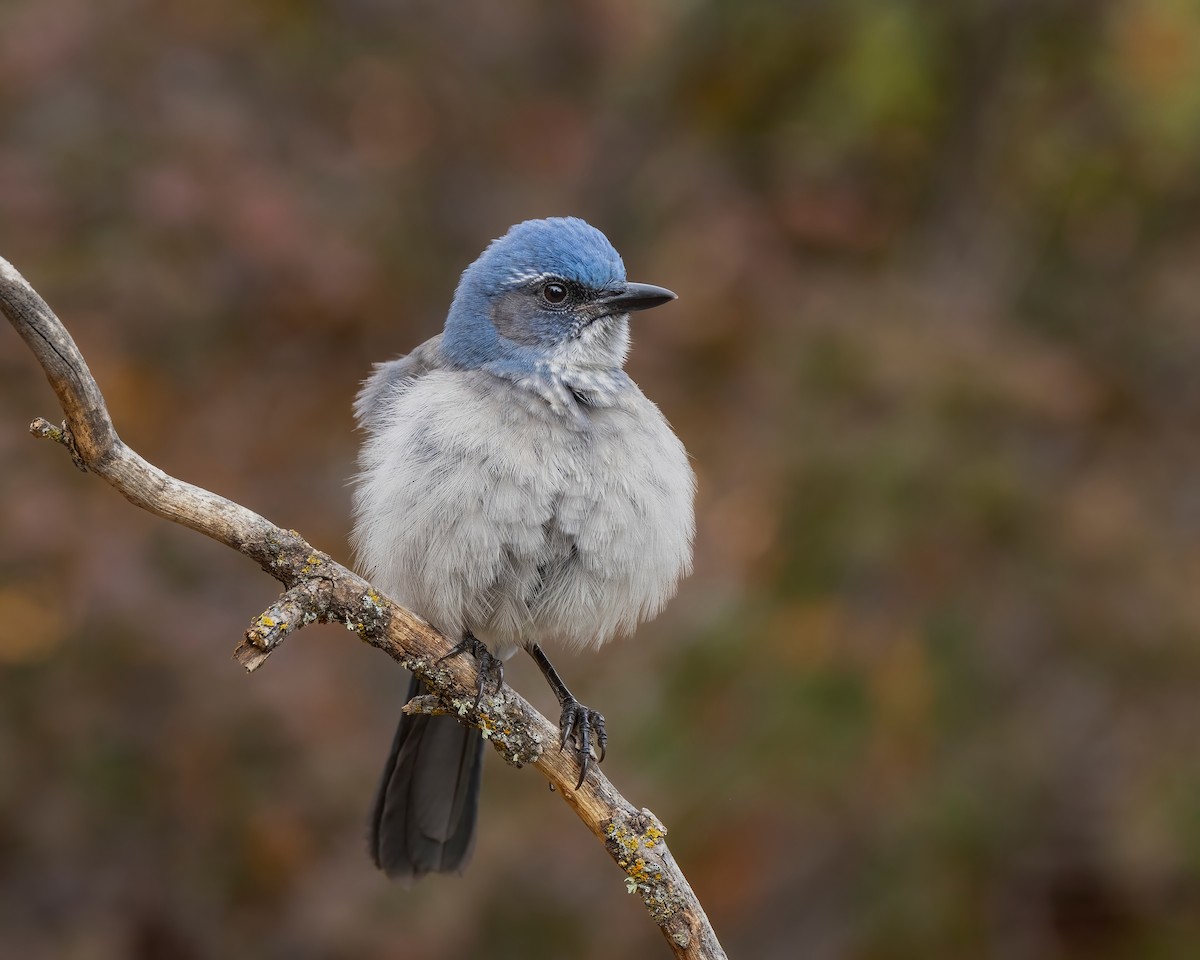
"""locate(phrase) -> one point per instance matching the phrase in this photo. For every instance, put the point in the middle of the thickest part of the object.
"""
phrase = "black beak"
(636, 296)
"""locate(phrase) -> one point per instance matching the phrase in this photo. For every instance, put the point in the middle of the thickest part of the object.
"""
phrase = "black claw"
(489, 667)
(578, 725)
(566, 724)
(585, 747)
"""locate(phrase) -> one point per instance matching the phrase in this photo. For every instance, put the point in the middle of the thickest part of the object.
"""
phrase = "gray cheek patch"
(510, 315)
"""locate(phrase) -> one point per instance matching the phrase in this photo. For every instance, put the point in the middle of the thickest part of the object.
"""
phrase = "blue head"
(547, 291)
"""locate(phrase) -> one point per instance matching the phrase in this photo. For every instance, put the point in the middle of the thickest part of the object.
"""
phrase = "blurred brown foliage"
(935, 356)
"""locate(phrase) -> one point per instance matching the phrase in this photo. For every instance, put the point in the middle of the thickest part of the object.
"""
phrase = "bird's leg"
(577, 723)
(490, 668)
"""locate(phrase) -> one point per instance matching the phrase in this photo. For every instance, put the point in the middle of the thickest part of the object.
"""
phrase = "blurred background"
(933, 690)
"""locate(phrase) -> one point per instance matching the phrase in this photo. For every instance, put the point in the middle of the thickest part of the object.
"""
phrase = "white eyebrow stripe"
(523, 278)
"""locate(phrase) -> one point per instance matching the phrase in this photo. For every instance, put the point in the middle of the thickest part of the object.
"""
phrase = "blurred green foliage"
(932, 689)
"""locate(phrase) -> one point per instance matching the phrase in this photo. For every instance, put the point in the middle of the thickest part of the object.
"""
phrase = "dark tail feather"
(424, 815)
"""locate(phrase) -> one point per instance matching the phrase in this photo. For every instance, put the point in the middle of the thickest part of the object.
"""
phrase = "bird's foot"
(490, 668)
(578, 725)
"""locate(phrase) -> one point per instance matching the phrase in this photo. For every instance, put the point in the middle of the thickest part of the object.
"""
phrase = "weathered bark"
(318, 589)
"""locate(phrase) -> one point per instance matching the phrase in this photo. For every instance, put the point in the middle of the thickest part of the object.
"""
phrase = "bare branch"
(318, 589)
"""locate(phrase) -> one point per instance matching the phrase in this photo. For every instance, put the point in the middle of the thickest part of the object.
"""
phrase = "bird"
(518, 491)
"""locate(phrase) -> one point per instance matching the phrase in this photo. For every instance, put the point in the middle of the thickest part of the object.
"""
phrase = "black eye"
(554, 293)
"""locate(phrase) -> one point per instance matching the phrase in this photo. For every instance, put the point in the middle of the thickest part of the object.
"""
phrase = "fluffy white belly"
(481, 510)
